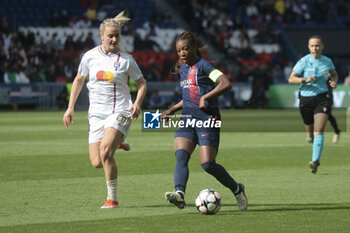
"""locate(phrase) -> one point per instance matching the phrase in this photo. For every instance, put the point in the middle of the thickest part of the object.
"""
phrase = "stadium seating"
(164, 39)
(38, 13)
(44, 34)
(258, 48)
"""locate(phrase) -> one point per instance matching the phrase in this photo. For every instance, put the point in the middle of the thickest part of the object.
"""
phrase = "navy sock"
(220, 173)
(181, 170)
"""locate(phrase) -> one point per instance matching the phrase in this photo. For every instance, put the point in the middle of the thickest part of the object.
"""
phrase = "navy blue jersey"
(195, 82)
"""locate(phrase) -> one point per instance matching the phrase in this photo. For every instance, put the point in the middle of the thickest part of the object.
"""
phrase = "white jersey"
(108, 80)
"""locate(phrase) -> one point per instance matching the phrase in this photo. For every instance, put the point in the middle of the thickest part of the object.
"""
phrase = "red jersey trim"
(193, 86)
(115, 90)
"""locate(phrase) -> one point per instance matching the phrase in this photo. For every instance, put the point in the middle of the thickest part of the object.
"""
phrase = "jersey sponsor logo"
(187, 83)
(105, 76)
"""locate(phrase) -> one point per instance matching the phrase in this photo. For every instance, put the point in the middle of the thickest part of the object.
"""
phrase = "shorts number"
(123, 120)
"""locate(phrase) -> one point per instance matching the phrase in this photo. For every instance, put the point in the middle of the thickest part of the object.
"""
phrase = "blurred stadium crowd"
(245, 32)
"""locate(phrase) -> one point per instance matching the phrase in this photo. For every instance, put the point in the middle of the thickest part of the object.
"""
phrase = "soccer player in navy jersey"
(313, 71)
(201, 83)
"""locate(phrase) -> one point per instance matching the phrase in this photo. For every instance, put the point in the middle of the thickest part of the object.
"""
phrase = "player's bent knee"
(104, 157)
(97, 165)
(208, 166)
(96, 162)
(106, 153)
(182, 155)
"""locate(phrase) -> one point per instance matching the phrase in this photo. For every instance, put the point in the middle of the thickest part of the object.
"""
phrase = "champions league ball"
(208, 201)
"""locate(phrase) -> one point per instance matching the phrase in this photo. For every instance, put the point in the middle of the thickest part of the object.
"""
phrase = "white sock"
(112, 188)
(237, 190)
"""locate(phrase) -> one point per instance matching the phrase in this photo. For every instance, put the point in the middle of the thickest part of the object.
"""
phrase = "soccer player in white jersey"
(313, 71)
(111, 110)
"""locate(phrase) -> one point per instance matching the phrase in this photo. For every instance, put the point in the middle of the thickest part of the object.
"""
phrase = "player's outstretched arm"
(76, 89)
(167, 113)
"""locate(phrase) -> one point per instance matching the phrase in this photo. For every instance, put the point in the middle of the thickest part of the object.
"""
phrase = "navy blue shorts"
(201, 136)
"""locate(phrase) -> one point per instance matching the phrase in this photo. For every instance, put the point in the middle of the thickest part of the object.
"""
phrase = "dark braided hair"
(193, 42)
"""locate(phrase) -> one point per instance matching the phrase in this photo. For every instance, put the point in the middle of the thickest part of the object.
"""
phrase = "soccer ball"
(208, 201)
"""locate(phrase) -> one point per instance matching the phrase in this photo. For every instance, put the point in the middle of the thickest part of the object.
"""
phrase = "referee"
(313, 71)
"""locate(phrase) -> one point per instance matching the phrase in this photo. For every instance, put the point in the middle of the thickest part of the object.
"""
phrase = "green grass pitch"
(48, 185)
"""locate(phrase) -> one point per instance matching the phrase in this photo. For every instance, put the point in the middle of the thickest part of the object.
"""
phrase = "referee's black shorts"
(309, 106)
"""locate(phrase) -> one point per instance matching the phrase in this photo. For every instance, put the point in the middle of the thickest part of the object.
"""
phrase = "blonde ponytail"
(117, 21)
(120, 18)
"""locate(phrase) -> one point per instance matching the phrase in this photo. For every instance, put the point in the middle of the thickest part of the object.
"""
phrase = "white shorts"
(98, 123)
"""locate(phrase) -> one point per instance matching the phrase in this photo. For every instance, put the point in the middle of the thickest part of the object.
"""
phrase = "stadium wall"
(51, 96)
(48, 96)
(286, 96)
